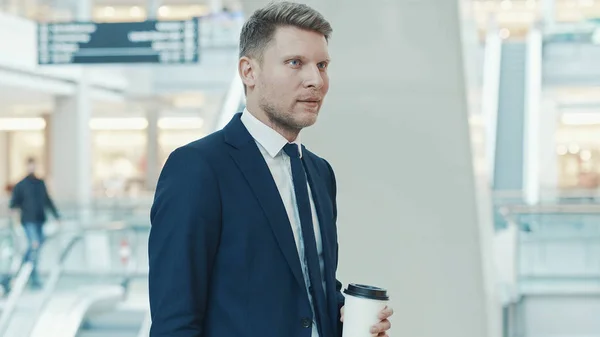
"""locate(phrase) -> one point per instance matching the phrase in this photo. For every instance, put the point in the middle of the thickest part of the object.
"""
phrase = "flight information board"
(168, 42)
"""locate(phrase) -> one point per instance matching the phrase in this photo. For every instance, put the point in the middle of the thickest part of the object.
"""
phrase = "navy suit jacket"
(223, 260)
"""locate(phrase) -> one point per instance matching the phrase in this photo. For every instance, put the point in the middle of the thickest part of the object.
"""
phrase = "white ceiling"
(18, 100)
(143, 3)
(21, 101)
(12, 94)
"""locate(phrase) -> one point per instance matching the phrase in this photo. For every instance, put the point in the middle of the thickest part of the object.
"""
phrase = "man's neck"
(262, 116)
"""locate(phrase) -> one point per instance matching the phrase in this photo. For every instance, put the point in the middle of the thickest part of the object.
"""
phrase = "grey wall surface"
(394, 127)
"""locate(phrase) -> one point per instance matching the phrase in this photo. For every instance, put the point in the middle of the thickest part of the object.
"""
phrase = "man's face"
(292, 81)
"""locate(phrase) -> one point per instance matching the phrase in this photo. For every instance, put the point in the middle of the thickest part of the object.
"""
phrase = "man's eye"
(294, 63)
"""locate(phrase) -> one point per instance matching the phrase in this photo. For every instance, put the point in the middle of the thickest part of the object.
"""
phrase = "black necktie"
(308, 234)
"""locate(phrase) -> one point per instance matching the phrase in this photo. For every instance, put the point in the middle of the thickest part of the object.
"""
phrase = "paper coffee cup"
(362, 308)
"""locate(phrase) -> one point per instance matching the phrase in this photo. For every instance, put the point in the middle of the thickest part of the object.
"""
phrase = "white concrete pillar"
(394, 127)
(69, 135)
(152, 147)
(549, 13)
(71, 160)
(83, 10)
(71, 149)
(489, 96)
(533, 118)
(48, 147)
(216, 6)
(549, 118)
(152, 9)
(3, 162)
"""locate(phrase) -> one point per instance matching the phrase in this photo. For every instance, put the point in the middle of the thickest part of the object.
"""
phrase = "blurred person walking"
(31, 197)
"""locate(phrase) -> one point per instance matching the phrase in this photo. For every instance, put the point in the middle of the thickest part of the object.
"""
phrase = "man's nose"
(314, 77)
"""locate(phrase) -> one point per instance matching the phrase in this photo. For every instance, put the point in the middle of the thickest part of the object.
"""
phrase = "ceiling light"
(180, 123)
(585, 155)
(198, 10)
(22, 124)
(574, 148)
(580, 118)
(189, 100)
(164, 11)
(135, 11)
(109, 11)
(562, 150)
(504, 33)
(506, 4)
(113, 124)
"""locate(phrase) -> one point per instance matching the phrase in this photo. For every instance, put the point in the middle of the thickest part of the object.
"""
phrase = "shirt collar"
(268, 138)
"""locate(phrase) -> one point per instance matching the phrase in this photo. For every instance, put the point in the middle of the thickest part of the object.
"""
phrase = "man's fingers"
(386, 313)
(383, 326)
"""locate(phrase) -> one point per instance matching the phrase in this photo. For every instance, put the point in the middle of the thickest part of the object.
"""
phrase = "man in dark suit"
(244, 240)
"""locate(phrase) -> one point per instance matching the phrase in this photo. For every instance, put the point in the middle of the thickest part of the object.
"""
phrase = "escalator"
(116, 323)
(79, 300)
(509, 161)
(21, 309)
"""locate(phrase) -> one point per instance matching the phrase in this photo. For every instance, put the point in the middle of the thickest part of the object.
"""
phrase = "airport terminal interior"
(465, 137)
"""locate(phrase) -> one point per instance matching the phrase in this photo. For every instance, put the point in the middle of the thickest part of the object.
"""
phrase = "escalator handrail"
(14, 295)
(520, 209)
(117, 226)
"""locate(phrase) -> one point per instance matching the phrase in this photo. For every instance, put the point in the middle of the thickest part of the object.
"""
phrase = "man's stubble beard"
(281, 120)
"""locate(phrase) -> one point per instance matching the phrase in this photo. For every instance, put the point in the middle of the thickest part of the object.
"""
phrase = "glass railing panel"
(557, 245)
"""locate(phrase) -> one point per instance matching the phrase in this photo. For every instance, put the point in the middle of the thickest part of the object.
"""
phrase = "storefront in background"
(119, 145)
(578, 151)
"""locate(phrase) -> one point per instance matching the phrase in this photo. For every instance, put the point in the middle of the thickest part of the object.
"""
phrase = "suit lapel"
(254, 168)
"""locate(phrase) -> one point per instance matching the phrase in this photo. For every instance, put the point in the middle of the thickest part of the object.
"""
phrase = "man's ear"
(247, 70)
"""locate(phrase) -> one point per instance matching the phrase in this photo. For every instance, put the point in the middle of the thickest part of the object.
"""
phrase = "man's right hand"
(381, 328)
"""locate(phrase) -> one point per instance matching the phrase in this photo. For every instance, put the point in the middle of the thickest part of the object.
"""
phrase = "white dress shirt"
(270, 144)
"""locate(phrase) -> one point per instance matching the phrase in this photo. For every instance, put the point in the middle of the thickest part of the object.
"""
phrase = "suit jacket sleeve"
(184, 238)
(340, 296)
(16, 198)
(49, 203)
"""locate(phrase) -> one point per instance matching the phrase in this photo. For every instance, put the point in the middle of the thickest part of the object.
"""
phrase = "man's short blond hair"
(260, 28)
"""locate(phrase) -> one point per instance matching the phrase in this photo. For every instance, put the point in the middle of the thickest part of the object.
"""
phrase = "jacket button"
(306, 322)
